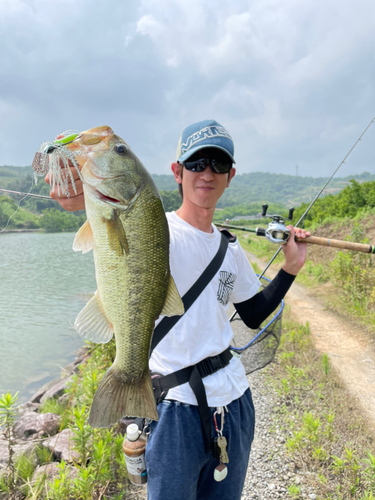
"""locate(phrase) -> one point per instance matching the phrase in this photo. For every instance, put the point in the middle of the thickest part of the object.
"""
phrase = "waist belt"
(194, 374)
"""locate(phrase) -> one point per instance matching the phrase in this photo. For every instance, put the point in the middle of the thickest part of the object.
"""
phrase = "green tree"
(171, 200)
(54, 221)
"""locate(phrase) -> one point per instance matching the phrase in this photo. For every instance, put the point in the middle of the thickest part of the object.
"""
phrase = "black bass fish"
(127, 229)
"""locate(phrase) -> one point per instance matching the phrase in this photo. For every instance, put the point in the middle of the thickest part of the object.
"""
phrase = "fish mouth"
(105, 198)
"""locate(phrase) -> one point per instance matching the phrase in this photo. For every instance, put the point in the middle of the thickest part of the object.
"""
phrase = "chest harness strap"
(194, 373)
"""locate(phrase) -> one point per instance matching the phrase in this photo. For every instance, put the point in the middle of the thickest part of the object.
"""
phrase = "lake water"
(43, 286)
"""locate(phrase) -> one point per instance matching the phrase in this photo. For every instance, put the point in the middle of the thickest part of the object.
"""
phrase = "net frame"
(260, 344)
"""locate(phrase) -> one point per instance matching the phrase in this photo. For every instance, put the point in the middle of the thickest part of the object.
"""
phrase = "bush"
(54, 221)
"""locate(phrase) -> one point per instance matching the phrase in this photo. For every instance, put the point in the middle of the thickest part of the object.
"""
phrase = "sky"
(292, 81)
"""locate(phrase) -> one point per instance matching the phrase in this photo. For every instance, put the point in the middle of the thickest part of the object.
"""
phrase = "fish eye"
(121, 149)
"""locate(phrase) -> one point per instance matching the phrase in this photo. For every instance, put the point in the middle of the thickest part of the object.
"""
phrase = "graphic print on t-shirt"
(226, 284)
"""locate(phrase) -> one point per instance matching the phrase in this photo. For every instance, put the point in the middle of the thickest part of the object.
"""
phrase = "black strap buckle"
(159, 394)
(213, 364)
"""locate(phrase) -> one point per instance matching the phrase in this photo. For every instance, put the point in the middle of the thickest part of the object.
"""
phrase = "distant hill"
(261, 187)
(245, 189)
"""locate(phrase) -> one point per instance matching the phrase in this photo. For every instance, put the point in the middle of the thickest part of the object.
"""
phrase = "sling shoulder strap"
(167, 323)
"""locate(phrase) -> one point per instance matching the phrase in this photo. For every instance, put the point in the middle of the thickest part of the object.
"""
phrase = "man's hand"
(74, 201)
(295, 253)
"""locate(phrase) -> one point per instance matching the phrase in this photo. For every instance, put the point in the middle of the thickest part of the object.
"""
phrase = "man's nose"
(207, 173)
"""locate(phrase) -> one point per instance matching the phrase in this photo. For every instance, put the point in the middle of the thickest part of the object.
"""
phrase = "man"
(181, 455)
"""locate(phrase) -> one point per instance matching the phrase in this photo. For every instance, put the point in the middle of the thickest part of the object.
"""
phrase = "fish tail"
(116, 399)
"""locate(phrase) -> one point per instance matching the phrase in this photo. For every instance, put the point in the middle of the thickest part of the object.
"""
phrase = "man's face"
(203, 189)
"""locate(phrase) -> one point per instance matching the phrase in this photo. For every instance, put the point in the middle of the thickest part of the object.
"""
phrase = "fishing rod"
(320, 192)
(278, 233)
(313, 202)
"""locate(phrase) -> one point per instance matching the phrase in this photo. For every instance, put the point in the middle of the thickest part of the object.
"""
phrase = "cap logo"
(204, 133)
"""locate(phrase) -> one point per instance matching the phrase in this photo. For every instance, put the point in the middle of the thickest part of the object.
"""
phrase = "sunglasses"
(216, 166)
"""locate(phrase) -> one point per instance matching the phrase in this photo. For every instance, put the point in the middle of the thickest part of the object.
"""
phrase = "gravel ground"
(270, 471)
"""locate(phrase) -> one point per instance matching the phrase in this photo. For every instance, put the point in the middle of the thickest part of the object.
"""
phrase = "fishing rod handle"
(345, 245)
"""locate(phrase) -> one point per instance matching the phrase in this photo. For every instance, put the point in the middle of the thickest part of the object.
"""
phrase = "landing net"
(257, 348)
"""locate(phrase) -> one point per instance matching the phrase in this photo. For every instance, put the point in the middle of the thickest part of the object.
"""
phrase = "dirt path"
(351, 352)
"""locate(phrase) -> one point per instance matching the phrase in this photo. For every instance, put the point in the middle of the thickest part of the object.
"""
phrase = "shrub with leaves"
(7, 419)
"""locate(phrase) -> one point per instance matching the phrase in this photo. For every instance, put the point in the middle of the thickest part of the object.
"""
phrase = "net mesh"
(257, 348)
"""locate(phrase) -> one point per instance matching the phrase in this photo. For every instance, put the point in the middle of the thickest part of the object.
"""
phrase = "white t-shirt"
(204, 330)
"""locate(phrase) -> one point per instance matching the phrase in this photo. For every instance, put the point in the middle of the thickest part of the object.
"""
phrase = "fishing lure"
(55, 159)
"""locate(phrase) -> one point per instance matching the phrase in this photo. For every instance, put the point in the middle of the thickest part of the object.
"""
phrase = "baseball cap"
(204, 134)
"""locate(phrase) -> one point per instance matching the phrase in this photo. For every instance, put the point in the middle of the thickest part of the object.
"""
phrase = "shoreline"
(37, 230)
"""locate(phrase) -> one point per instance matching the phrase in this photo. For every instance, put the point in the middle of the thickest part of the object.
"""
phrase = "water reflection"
(43, 286)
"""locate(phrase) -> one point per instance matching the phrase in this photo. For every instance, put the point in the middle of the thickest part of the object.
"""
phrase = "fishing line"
(18, 206)
(55, 159)
(320, 192)
(312, 203)
(27, 194)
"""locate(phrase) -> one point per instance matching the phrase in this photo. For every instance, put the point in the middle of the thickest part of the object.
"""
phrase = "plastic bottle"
(134, 447)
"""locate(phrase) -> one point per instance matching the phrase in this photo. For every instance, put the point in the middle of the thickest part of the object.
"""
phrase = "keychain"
(221, 471)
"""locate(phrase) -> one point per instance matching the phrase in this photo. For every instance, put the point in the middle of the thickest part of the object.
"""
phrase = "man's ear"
(232, 173)
(177, 172)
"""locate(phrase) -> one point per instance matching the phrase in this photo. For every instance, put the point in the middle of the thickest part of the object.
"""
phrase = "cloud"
(292, 81)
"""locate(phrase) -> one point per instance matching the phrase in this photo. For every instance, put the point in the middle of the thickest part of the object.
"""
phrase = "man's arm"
(255, 310)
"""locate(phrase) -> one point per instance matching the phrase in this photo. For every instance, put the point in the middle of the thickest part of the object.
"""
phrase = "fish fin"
(84, 239)
(173, 305)
(116, 399)
(92, 323)
(116, 232)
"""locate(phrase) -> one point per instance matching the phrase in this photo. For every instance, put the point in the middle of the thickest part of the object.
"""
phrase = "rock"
(312, 496)
(82, 352)
(27, 407)
(43, 424)
(64, 399)
(56, 390)
(50, 472)
(38, 395)
(20, 448)
(74, 367)
(62, 446)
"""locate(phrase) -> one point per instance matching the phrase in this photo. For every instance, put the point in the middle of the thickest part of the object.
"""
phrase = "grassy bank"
(99, 470)
(344, 280)
(328, 440)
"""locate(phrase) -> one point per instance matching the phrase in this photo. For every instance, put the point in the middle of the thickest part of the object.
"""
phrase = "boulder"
(82, 351)
(64, 399)
(62, 446)
(41, 424)
(50, 472)
(27, 407)
(38, 395)
(20, 448)
(56, 390)
(74, 367)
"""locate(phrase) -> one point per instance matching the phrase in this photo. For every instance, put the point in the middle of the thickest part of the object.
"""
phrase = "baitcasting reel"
(276, 232)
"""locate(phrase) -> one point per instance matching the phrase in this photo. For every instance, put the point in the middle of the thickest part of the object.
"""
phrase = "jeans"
(178, 468)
